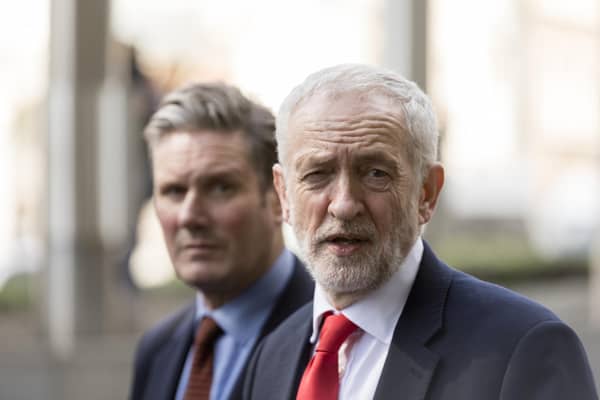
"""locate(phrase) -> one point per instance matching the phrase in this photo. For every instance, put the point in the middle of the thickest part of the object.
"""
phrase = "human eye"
(173, 191)
(377, 173)
(377, 178)
(222, 188)
(315, 177)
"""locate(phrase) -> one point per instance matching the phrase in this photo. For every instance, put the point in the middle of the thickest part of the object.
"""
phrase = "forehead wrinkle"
(358, 137)
(378, 121)
(315, 129)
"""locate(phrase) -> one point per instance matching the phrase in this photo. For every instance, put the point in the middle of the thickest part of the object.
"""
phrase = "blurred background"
(83, 270)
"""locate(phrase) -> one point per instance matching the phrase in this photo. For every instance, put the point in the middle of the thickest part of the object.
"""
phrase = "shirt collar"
(244, 316)
(388, 300)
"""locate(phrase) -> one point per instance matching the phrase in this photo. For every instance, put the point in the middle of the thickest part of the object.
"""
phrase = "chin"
(197, 275)
(359, 273)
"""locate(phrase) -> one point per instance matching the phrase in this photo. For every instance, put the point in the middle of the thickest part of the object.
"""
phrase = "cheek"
(165, 215)
(237, 219)
(392, 210)
(310, 209)
(384, 211)
(167, 218)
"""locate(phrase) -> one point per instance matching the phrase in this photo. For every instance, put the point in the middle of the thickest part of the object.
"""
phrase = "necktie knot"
(335, 330)
(207, 332)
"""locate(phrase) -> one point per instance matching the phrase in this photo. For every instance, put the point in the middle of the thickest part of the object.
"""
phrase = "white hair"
(414, 107)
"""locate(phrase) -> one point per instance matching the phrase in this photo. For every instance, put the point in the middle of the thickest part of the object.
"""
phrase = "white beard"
(361, 272)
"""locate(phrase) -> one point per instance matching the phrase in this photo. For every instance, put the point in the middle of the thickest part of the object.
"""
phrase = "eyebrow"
(372, 155)
(376, 156)
(312, 158)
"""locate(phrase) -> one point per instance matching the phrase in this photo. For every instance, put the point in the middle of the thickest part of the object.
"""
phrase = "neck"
(216, 297)
(343, 300)
(214, 301)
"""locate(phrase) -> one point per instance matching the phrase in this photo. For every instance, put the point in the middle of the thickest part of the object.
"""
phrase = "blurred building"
(516, 85)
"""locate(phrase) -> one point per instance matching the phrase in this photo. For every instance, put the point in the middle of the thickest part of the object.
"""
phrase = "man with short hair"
(212, 151)
(358, 178)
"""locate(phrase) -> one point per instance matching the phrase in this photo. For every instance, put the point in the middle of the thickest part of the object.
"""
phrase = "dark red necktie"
(321, 380)
(198, 387)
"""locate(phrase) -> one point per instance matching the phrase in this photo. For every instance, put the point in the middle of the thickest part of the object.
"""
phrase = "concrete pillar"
(123, 180)
(75, 277)
(405, 39)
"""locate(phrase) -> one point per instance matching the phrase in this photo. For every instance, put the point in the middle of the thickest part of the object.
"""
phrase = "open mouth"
(343, 245)
(345, 239)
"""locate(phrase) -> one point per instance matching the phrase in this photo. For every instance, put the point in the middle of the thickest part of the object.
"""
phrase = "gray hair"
(415, 108)
(222, 108)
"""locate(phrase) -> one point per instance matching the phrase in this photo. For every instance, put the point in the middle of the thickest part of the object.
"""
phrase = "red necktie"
(198, 387)
(321, 380)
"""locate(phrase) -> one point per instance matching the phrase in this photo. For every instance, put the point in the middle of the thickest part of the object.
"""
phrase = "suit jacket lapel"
(292, 358)
(410, 365)
(168, 363)
(297, 292)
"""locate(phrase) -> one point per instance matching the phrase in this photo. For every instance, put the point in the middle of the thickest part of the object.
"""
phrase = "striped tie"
(198, 387)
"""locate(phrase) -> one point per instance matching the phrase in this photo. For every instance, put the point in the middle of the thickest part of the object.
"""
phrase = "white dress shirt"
(363, 354)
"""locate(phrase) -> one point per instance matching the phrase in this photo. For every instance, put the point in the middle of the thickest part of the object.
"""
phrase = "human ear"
(279, 183)
(430, 191)
(274, 205)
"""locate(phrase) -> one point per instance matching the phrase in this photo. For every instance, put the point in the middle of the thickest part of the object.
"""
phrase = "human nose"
(193, 213)
(346, 200)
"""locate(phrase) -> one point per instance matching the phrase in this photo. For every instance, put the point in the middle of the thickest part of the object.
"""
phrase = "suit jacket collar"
(171, 358)
(410, 365)
(297, 292)
(289, 358)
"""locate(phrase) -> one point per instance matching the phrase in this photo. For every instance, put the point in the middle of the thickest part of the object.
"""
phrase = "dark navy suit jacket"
(458, 338)
(162, 351)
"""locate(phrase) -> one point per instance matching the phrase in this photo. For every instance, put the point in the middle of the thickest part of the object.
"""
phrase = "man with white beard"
(357, 178)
